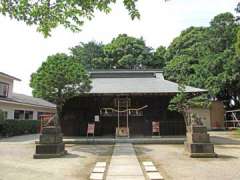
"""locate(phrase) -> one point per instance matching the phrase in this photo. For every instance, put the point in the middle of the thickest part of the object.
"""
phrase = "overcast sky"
(22, 49)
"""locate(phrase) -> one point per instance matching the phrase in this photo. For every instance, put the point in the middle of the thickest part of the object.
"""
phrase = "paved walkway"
(124, 164)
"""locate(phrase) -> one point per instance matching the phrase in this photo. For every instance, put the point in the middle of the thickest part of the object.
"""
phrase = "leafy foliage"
(58, 79)
(127, 52)
(90, 55)
(159, 59)
(123, 52)
(206, 57)
(48, 14)
(183, 102)
(19, 127)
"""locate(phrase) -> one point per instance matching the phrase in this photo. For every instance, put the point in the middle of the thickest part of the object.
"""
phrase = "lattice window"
(123, 102)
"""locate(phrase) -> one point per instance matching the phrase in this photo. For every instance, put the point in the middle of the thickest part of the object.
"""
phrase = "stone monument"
(197, 142)
(51, 143)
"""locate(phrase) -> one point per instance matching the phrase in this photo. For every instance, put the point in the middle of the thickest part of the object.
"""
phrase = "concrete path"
(124, 164)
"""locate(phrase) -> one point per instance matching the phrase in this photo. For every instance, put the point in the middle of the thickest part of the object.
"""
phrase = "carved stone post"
(51, 143)
(198, 142)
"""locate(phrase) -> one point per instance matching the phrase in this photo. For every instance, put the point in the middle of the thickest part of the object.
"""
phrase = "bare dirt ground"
(16, 161)
(174, 164)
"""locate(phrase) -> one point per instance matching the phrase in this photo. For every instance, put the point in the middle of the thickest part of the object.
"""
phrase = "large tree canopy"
(204, 57)
(127, 52)
(48, 14)
(90, 55)
(123, 52)
(207, 57)
(58, 79)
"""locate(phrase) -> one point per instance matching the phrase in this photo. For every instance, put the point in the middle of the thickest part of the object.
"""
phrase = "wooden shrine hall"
(125, 103)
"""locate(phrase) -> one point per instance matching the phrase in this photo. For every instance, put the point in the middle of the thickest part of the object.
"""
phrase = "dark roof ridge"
(126, 71)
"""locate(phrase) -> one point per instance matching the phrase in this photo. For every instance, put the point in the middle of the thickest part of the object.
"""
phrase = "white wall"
(10, 108)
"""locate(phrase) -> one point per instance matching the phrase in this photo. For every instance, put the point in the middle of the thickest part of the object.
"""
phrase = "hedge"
(19, 127)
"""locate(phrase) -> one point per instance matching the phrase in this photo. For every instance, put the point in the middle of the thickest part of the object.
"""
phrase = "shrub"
(1, 115)
(19, 127)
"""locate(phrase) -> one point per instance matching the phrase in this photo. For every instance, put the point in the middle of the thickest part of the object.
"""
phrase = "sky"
(22, 49)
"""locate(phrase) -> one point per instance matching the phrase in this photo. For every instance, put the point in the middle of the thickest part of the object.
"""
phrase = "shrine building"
(128, 103)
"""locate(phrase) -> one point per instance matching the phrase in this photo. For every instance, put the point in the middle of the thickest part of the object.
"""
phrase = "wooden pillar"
(118, 114)
(127, 117)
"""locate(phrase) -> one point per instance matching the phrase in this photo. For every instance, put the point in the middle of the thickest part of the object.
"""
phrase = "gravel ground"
(174, 164)
(16, 161)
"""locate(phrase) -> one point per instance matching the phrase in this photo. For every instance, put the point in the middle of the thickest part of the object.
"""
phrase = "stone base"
(202, 155)
(49, 150)
(200, 149)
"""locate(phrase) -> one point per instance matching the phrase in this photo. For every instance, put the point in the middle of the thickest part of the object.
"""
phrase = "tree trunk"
(59, 115)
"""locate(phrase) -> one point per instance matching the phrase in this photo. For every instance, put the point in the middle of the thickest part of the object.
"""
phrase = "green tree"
(47, 14)
(223, 29)
(182, 102)
(127, 52)
(90, 55)
(237, 44)
(207, 58)
(159, 58)
(58, 79)
(191, 42)
(184, 54)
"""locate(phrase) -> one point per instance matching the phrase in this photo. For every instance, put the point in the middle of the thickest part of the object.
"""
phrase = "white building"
(20, 106)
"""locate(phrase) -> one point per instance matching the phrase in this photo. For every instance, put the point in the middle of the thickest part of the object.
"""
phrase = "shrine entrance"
(121, 116)
(126, 116)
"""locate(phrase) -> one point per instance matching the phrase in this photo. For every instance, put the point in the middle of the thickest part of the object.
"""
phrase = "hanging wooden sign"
(96, 118)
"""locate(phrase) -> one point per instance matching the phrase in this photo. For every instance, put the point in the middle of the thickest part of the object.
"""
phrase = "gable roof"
(9, 76)
(28, 100)
(134, 82)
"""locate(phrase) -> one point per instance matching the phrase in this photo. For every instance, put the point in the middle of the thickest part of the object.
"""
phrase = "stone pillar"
(198, 142)
(51, 144)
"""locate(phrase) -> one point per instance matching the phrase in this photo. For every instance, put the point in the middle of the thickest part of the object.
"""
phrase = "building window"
(18, 114)
(28, 115)
(3, 89)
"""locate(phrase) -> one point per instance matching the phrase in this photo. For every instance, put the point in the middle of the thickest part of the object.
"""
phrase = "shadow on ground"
(99, 150)
(224, 140)
(222, 156)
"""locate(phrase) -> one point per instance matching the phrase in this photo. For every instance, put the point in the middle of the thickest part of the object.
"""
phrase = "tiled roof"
(134, 82)
(29, 100)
